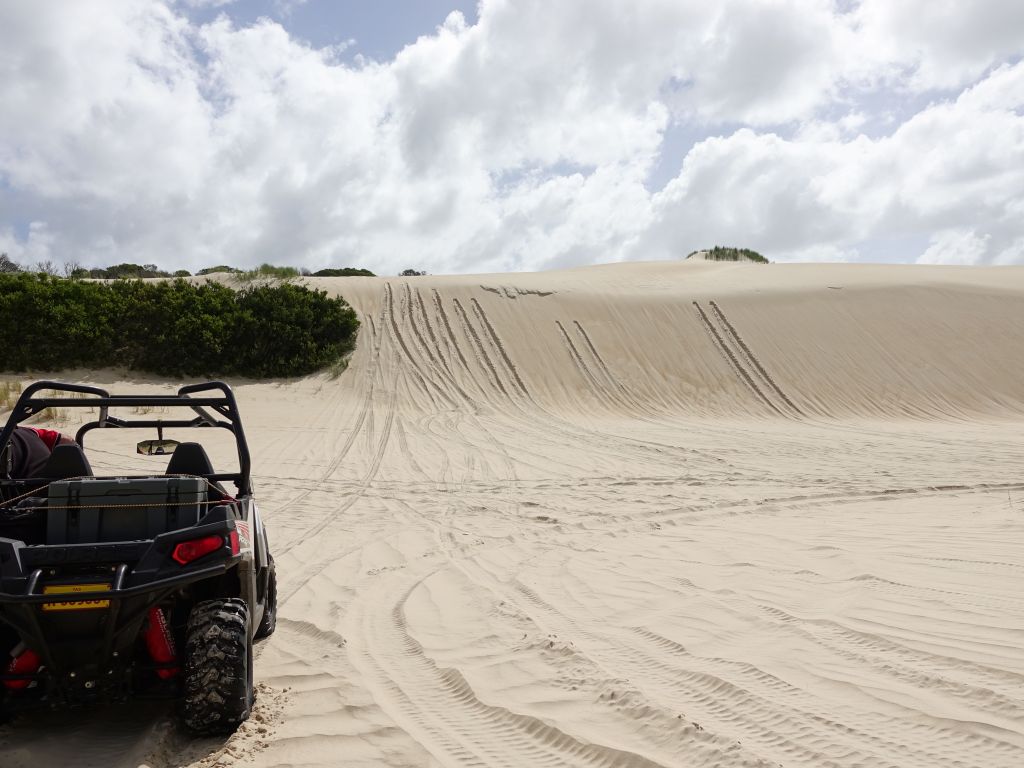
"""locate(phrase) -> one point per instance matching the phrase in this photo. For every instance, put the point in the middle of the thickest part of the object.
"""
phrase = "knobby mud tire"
(269, 621)
(218, 667)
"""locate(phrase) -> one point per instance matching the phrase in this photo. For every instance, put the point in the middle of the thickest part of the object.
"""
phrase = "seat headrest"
(66, 460)
(189, 459)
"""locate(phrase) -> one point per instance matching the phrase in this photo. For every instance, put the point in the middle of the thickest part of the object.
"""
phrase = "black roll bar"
(215, 397)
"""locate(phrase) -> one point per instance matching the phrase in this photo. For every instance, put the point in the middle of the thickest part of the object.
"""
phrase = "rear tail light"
(233, 541)
(187, 551)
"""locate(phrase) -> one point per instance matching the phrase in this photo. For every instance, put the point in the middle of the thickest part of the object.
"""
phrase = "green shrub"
(343, 272)
(289, 327)
(266, 272)
(171, 327)
(7, 265)
(718, 253)
(117, 272)
(219, 268)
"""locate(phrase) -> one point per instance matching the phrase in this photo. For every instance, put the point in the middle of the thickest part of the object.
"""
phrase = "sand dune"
(667, 514)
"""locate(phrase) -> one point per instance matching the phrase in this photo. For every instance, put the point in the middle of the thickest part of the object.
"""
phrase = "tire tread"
(217, 679)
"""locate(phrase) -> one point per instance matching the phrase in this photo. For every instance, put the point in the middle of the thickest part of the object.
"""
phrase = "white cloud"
(1011, 254)
(766, 63)
(941, 44)
(131, 134)
(207, 3)
(285, 7)
(956, 246)
(955, 165)
(36, 247)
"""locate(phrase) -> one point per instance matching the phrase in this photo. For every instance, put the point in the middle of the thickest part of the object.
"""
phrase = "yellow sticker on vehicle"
(75, 589)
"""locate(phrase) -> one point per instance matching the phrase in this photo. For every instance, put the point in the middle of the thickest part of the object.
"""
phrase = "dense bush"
(218, 268)
(266, 272)
(7, 264)
(171, 327)
(119, 271)
(718, 253)
(343, 272)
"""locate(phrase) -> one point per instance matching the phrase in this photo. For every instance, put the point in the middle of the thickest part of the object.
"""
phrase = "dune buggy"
(129, 584)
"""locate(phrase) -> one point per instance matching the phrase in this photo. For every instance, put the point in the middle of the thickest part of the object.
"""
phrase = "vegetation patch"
(719, 253)
(265, 272)
(139, 271)
(343, 272)
(172, 327)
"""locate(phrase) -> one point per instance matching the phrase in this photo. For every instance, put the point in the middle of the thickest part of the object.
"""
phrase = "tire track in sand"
(377, 458)
(730, 358)
(416, 303)
(502, 353)
(376, 342)
(626, 397)
(438, 370)
(581, 365)
(482, 356)
(439, 708)
(775, 731)
(426, 381)
(452, 341)
(445, 375)
(751, 359)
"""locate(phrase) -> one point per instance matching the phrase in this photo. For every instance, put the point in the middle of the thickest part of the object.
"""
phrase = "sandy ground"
(672, 514)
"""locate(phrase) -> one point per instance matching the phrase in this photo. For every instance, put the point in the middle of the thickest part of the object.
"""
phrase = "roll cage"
(212, 402)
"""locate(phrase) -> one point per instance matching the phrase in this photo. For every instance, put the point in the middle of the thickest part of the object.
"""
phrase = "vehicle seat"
(189, 459)
(65, 461)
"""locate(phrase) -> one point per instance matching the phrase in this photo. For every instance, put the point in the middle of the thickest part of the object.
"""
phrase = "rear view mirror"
(157, 447)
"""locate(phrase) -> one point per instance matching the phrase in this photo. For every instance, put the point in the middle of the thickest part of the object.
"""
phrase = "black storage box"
(93, 510)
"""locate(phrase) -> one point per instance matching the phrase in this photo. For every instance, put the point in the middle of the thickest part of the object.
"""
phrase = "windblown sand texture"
(664, 514)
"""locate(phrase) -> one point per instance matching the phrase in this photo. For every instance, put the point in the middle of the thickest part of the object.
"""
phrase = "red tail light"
(187, 551)
(233, 541)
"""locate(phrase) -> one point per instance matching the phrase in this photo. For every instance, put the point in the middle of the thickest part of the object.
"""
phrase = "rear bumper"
(90, 654)
(115, 593)
(101, 667)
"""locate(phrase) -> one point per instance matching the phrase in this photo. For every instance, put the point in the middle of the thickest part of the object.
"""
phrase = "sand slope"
(638, 515)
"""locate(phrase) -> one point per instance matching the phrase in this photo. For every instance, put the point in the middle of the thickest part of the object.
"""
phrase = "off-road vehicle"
(133, 584)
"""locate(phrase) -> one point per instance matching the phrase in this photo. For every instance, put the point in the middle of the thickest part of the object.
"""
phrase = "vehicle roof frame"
(201, 398)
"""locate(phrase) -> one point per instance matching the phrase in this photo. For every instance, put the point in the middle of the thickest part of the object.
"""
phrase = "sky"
(509, 135)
